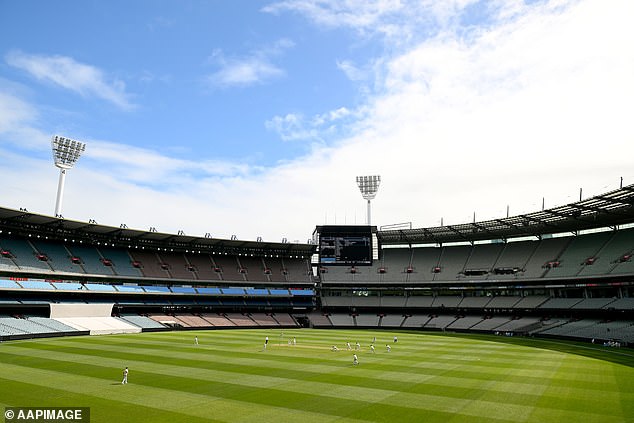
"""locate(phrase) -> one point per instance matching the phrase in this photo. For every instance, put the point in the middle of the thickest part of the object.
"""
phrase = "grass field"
(229, 378)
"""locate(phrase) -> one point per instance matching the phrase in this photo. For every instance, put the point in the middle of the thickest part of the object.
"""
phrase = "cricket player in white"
(355, 360)
(125, 376)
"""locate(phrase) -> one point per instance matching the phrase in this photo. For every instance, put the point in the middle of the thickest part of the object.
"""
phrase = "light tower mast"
(369, 185)
(66, 152)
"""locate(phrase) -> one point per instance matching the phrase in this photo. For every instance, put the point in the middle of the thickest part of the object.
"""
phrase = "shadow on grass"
(624, 356)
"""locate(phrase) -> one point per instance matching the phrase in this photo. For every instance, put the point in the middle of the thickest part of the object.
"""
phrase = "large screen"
(345, 245)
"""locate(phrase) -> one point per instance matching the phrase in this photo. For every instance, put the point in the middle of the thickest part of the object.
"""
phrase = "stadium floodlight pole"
(369, 185)
(66, 152)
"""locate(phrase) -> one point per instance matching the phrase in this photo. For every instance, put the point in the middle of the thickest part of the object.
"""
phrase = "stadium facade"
(562, 272)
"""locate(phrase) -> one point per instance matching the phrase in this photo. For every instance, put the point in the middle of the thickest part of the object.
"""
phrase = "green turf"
(229, 377)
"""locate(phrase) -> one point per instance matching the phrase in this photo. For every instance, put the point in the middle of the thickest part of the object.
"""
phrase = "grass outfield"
(229, 378)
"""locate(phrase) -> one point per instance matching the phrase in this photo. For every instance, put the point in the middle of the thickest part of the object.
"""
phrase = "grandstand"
(563, 272)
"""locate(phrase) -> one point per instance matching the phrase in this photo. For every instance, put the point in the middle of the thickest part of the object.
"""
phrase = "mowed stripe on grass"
(229, 377)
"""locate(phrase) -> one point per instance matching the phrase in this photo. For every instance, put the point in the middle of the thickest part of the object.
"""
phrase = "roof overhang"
(606, 210)
(24, 223)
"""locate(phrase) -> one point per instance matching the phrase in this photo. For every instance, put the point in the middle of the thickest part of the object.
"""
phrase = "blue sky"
(253, 117)
(189, 78)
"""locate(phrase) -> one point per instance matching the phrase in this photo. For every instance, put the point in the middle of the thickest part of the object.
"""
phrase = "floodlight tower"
(66, 152)
(369, 185)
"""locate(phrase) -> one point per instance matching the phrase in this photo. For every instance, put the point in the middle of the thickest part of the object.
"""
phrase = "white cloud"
(351, 71)
(86, 80)
(254, 68)
(360, 14)
(320, 127)
(533, 105)
(399, 21)
(17, 119)
(147, 167)
(13, 112)
(536, 104)
(291, 127)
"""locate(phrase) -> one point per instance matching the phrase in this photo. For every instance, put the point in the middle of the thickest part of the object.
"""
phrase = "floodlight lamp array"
(368, 185)
(66, 151)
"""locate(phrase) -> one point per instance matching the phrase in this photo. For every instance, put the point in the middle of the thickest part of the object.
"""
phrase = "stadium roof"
(611, 209)
(25, 223)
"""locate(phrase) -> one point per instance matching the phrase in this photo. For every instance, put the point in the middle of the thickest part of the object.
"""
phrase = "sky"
(253, 118)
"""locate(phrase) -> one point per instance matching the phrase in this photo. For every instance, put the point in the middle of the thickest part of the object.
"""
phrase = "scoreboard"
(345, 245)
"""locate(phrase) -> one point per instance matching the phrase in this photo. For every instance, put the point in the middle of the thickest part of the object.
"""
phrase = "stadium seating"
(143, 322)
(285, 319)
(560, 303)
(58, 257)
(122, 262)
(482, 260)
(341, 319)
(415, 321)
(547, 251)
(392, 320)
(393, 301)
(318, 319)
(424, 260)
(530, 302)
(230, 268)
(490, 324)
(177, 265)
(191, 320)
(36, 285)
(434, 322)
(8, 284)
(474, 302)
(419, 301)
(464, 322)
(52, 324)
(253, 268)
(446, 301)
(296, 270)
(274, 269)
(366, 320)
(183, 290)
(102, 287)
(92, 261)
(541, 286)
(150, 264)
(263, 319)
(452, 262)
(396, 261)
(68, 286)
(240, 319)
(514, 256)
(217, 320)
(24, 255)
(204, 267)
(129, 288)
(574, 258)
(521, 325)
(503, 302)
